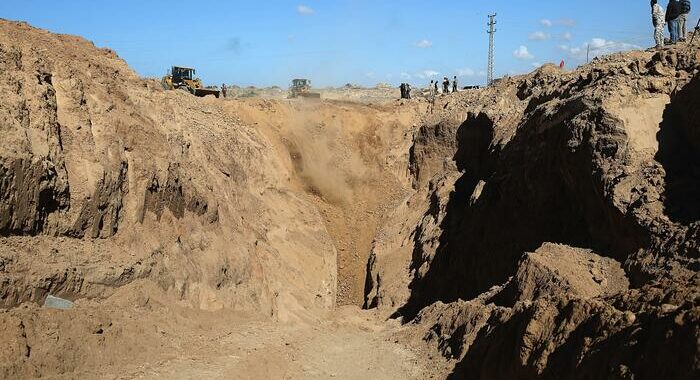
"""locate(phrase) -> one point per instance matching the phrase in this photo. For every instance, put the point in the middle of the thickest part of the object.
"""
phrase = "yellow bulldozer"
(182, 78)
(301, 88)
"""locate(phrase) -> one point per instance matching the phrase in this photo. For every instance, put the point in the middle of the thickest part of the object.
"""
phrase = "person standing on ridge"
(431, 96)
(683, 18)
(435, 86)
(445, 86)
(405, 91)
(673, 11)
(223, 90)
(657, 18)
(454, 84)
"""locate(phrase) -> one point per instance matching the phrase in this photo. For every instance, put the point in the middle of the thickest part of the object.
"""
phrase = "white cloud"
(536, 64)
(466, 72)
(546, 23)
(566, 22)
(522, 53)
(567, 36)
(423, 44)
(599, 43)
(431, 73)
(602, 46)
(539, 36)
(405, 75)
(428, 74)
(482, 73)
(304, 10)
(573, 50)
(598, 46)
(370, 74)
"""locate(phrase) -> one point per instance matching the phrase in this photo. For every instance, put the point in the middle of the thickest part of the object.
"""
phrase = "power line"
(491, 32)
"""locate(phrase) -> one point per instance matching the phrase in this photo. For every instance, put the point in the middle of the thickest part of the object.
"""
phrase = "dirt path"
(353, 228)
(350, 345)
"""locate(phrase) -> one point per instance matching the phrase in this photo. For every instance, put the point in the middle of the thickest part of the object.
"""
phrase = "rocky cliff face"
(601, 161)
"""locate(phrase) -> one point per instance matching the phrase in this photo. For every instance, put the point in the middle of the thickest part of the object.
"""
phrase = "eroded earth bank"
(545, 227)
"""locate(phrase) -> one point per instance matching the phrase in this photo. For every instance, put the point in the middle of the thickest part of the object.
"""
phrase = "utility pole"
(491, 32)
(588, 52)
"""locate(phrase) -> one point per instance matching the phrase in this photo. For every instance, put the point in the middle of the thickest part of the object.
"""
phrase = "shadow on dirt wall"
(679, 153)
(538, 189)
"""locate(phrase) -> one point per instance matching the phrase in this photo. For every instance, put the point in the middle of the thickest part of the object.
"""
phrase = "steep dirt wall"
(32, 188)
(679, 153)
(158, 184)
(599, 159)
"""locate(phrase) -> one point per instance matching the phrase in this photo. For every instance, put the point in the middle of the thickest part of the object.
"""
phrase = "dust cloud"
(325, 164)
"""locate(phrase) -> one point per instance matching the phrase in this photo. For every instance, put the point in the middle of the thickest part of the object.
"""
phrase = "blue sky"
(334, 42)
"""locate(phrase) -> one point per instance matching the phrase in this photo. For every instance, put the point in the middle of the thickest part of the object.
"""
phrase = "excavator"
(182, 78)
(302, 88)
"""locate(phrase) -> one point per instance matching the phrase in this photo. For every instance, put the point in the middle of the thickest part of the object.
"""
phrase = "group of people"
(433, 87)
(675, 16)
(433, 90)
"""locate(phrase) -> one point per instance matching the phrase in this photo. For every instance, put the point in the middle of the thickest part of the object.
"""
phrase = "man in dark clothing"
(436, 87)
(673, 11)
(445, 86)
(405, 91)
(683, 18)
(454, 84)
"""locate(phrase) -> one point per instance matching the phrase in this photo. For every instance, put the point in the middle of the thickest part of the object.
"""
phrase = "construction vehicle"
(182, 78)
(302, 88)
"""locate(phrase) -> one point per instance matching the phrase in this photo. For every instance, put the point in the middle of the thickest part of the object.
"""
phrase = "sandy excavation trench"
(351, 161)
(546, 227)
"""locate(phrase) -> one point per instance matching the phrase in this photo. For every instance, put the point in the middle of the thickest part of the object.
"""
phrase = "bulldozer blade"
(206, 91)
(310, 95)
